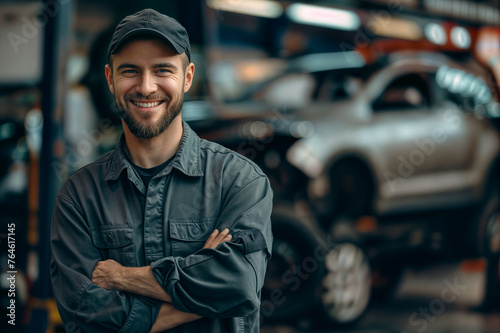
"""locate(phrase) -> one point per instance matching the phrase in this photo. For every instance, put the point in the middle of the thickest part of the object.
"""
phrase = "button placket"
(134, 178)
(153, 246)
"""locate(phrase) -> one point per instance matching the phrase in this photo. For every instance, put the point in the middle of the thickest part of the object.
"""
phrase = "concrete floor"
(439, 299)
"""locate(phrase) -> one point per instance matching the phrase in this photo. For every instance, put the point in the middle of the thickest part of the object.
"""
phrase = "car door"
(419, 154)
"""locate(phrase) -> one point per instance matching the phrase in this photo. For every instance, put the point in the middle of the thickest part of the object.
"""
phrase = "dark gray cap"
(150, 22)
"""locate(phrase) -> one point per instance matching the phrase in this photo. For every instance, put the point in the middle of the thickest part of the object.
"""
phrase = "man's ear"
(109, 77)
(188, 77)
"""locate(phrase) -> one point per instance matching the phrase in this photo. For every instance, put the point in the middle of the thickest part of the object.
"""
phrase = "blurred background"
(376, 122)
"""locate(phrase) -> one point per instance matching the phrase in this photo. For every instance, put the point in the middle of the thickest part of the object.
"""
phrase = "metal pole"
(56, 15)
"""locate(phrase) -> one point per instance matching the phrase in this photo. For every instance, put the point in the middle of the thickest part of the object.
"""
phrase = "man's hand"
(109, 274)
(216, 238)
(106, 274)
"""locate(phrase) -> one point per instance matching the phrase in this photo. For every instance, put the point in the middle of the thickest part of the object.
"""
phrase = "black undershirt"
(147, 174)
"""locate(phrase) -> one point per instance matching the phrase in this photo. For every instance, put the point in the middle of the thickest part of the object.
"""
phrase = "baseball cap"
(150, 22)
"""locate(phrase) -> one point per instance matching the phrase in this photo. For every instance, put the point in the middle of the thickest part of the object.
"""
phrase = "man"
(167, 231)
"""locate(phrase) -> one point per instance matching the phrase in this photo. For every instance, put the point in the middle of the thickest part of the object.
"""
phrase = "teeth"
(146, 105)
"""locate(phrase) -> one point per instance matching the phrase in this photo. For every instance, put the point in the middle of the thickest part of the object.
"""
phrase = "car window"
(337, 89)
(294, 90)
(406, 92)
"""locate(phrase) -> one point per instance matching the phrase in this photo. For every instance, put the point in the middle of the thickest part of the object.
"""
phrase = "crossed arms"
(111, 275)
(221, 282)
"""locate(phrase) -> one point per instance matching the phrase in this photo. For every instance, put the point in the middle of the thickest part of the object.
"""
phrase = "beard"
(146, 131)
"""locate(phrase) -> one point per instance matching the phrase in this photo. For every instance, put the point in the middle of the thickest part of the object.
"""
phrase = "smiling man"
(167, 231)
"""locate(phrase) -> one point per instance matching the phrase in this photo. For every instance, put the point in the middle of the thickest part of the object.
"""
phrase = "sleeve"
(84, 306)
(226, 281)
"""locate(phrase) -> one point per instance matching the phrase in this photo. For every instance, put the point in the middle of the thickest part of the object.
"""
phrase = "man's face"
(149, 81)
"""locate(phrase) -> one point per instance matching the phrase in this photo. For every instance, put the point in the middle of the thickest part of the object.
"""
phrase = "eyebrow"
(166, 65)
(121, 66)
(161, 65)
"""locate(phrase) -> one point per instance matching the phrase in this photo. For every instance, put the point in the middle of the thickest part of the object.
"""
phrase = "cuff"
(164, 270)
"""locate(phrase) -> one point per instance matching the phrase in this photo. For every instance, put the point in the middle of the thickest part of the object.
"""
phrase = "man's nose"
(147, 85)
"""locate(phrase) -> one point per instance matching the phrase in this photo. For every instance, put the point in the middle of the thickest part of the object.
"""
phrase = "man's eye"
(129, 71)
(163, 71)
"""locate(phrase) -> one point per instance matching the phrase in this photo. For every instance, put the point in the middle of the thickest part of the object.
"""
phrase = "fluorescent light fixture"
(435, 34)
(395, 28)
(399, 4)
(460, 37)
(317, 62)
(260, 8)
(324, 17)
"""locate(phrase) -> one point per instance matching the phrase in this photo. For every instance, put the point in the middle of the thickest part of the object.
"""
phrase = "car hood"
(336, 127)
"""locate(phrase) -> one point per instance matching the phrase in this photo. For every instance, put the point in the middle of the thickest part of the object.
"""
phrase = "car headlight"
(305, 160)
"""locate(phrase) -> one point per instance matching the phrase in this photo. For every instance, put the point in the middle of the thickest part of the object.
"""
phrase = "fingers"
(211, 238)
(220, 238)
(216, 238)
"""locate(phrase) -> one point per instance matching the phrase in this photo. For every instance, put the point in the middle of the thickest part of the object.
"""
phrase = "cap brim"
(145, 31)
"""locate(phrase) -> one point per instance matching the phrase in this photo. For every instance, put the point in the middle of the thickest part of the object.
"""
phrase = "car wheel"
(489, 246)
(346, 284)
(291, 278)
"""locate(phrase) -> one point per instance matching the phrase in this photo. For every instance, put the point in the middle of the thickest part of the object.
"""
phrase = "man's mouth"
(146, 104)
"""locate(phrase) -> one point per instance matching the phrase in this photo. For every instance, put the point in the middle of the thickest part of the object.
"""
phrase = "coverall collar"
(186, 160)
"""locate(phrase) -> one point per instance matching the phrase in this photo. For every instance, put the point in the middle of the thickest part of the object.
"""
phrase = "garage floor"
(439, 299)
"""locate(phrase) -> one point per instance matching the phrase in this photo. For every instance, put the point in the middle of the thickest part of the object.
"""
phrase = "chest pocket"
(189, 236)
(115, 242)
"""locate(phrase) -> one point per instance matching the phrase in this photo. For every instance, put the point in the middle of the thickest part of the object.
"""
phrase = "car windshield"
(297, 82)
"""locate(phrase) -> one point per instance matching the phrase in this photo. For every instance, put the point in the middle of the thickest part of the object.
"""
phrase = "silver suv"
(371, 166)
(415, 137)
(414, 143)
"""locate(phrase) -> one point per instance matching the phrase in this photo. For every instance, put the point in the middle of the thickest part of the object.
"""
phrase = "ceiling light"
(435, 34)
(324, 17)
(460, 37)
(261, 8)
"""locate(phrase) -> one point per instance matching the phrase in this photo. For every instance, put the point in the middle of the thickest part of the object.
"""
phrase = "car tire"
(489, 247)
(346, 284)
(293, 274)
